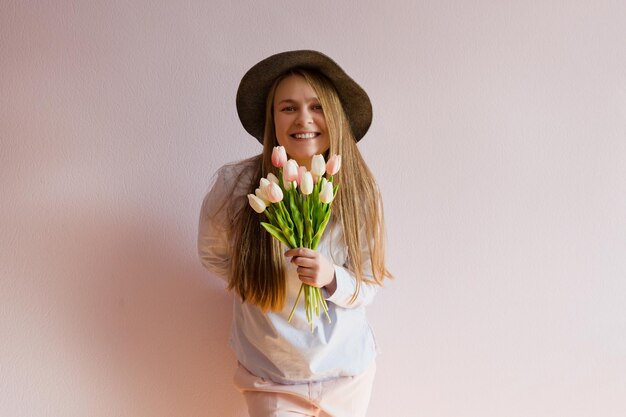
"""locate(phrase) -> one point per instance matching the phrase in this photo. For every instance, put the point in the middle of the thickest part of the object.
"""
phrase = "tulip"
(263, 183)
(256, 203)
(333, 165)
(301, 171)
(326, 195)
(262, 195)
(279, 156)
(274, 193)
(306, 183)
(318, 166)
(272, 178)
(290, 171)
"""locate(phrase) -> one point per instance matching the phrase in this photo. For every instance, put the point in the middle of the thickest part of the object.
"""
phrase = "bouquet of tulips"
(297, 207)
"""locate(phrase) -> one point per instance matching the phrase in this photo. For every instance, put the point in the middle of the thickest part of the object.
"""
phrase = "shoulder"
(230, 184)
(238, 169)
(238, 176)
(233, 180)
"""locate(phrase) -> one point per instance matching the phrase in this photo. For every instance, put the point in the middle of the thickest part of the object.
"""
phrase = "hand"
(313, 268)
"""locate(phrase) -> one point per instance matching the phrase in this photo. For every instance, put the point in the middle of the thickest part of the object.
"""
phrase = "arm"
(345, 286)
(213, 229)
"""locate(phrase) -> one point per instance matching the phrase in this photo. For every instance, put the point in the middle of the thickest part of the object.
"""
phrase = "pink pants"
(342, 397)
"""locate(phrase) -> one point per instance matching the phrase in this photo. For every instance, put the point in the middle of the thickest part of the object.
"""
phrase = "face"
(299, 120)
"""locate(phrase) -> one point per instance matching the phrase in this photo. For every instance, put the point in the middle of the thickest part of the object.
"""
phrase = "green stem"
(295, 304)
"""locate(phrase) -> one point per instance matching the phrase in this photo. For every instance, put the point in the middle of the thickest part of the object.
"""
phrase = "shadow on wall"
(144, 328)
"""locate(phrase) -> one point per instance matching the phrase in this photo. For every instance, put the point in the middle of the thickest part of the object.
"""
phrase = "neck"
(305, 163)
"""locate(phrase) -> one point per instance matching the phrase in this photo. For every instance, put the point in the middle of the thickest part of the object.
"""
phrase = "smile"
(309, 135)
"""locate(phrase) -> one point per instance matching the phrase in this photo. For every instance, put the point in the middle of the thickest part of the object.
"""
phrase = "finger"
(305, 262)
(308, 253)
(309, 280)
(308, 273)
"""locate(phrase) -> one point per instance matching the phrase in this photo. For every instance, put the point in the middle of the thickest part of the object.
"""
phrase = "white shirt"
(265, 343)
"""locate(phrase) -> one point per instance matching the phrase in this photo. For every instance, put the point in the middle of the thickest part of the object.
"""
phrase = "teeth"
(305, 135)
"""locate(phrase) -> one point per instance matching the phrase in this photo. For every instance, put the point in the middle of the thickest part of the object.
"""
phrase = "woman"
(303, 101)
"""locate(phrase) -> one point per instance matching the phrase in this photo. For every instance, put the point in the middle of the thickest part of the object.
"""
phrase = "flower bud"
(306, 183)
(261, 194)
(326, 195)
(256, 203)
(279, 156)
(290, 171)
(333, 165)
(263, 183)
(274, 193)
(318, 165)
(272, 178)
(301, 170)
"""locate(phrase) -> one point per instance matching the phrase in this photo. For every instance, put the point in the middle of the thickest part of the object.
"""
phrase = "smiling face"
(299, 120)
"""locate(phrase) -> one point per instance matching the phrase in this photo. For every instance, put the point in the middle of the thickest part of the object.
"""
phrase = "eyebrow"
(288, 100)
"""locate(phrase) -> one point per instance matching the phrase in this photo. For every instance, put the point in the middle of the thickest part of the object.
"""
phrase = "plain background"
(499, 142)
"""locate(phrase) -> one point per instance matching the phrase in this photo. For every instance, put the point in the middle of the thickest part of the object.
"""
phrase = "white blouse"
(265, 343)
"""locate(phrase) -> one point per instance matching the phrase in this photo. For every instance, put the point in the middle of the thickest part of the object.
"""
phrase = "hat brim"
(256, 83)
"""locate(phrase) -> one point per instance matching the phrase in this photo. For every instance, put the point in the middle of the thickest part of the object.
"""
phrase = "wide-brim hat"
(257, 82)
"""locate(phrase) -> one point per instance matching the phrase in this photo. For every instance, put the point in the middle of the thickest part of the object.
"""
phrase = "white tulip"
(263, 183)
(272, 178)
(326, 195)
(306, 183)
(318, 165)
(256, 203)
(261, 194)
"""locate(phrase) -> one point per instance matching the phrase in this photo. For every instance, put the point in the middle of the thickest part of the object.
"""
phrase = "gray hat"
(256, 83)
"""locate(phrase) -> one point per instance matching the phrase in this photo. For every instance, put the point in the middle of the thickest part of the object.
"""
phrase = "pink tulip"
(326, 195)
(290, 172)
(279, 156)
(274, 193)
(333, 165)
(301, 171)
(256, 203)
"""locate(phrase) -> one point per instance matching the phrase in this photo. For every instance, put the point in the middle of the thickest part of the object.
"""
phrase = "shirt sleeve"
(346, 282)
(214, 229)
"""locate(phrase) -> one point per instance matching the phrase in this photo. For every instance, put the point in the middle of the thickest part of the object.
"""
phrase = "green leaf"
(285, 214)
(276, 232)
(271, 216)
(308, 225)
(296, 215)
(320, 231)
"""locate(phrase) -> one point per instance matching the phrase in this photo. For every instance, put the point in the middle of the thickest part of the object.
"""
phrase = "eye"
(288, 109)
(317, 107)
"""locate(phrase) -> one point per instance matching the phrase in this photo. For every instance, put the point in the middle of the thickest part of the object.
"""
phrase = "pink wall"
(499, 144)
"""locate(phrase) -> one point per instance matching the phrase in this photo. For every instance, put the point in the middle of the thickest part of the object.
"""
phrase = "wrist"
(331, 287)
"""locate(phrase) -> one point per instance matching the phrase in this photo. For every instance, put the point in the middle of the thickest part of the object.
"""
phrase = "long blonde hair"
(256, 262)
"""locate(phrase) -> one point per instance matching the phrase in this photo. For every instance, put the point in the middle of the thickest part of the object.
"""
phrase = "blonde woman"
(305, 102)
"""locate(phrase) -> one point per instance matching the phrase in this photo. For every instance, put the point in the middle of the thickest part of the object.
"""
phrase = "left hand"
(313, 268)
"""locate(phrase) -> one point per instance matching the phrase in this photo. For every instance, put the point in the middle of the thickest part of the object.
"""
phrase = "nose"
(304, 117)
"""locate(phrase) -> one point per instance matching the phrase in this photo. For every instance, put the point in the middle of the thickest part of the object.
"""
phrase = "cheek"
(281, 141)
(321, 121)
(280, 124)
